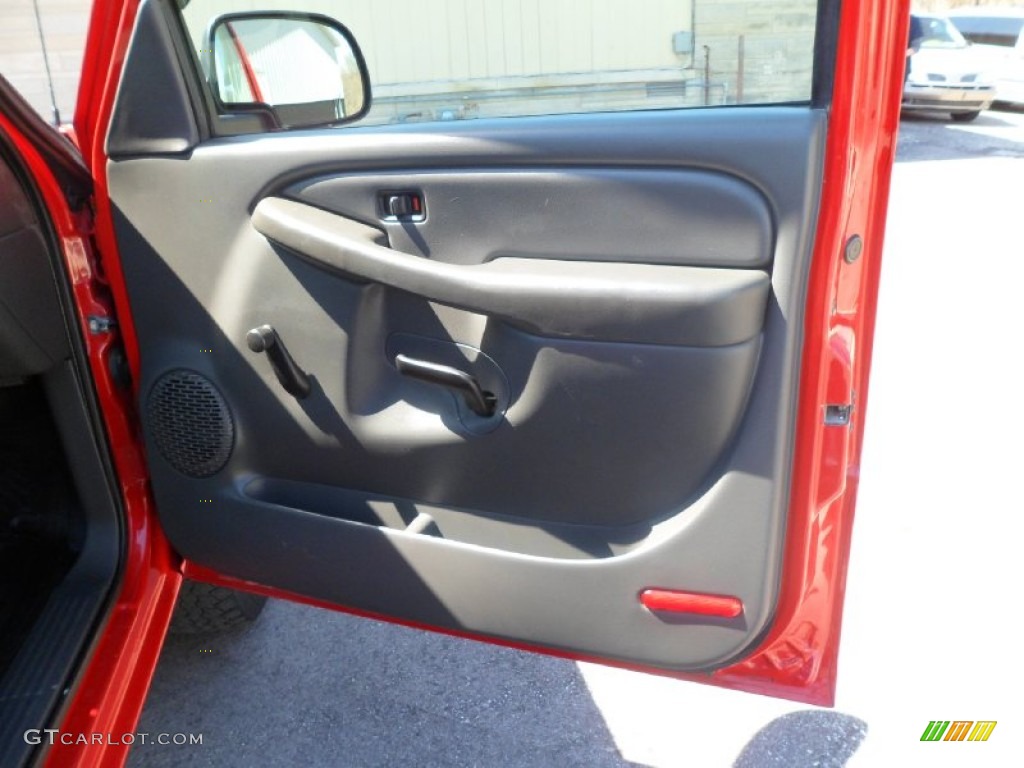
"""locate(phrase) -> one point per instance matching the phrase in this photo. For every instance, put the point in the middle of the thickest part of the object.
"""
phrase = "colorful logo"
(958, 730)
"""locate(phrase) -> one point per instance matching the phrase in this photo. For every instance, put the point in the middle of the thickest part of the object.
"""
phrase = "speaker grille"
(190, 423)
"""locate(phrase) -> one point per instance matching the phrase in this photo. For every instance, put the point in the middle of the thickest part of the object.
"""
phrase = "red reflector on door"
(675, 601)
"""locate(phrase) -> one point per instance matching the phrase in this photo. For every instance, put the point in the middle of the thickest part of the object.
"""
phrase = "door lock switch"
(402, 206)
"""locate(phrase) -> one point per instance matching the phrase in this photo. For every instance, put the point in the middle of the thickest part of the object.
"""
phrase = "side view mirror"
(298, 69)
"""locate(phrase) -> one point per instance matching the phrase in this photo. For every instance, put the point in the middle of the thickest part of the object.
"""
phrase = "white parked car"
(946, 74)
(998, 34)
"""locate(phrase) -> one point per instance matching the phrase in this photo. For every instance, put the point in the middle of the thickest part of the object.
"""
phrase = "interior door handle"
(477, 400)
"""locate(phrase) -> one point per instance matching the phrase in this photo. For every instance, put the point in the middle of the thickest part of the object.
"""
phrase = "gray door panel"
(627, 287)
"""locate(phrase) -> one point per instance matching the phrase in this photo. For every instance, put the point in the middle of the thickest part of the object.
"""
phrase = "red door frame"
(798, 657)
(108, 696)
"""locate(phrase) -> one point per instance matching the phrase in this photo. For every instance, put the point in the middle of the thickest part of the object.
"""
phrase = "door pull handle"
(479, 401)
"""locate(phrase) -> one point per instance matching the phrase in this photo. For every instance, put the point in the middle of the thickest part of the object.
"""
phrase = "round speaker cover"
(190, 423)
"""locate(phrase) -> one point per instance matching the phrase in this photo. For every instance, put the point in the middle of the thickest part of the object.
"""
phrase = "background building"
(630, 53)
(64, 24)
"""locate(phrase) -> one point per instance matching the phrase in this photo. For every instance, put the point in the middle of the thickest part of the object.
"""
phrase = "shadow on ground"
(803, 739)
(308, 687)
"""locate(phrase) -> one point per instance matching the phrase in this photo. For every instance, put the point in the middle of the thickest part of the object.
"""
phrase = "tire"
(965, 117)
(206, 609)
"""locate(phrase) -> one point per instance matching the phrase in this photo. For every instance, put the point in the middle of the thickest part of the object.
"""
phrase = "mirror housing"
(294, 70)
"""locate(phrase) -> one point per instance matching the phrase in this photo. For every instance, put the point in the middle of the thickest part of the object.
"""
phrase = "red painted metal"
(126, 650)
(110, 29)
(108, 695)
(798, 657)
(697, 603)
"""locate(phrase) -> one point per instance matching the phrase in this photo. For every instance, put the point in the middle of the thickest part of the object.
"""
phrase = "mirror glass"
(307, 71)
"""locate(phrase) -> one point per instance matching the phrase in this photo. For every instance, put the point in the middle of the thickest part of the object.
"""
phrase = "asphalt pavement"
(933, 587)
